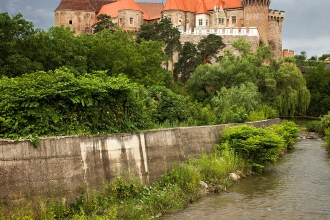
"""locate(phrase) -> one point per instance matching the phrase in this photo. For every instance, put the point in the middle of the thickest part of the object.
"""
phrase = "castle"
(250, 18)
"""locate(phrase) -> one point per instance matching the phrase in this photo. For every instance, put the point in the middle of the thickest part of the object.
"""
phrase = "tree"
(165, 32)
(318, 82)
(187, 63)
(324, 56)
(13, 32)
(209, 47)
(234, 104)
(292, 96)
(120, 53)
(104, 22)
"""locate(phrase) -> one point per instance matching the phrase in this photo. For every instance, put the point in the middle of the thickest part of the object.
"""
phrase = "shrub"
(255, 145)
(288, 130)
(325, 121)
(168, 106)
(315, 126)
(60, 103)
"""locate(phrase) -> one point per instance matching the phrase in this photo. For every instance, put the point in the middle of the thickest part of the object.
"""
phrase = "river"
(297, 187)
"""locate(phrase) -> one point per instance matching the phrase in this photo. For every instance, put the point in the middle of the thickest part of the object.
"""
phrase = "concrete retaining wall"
(62, 164)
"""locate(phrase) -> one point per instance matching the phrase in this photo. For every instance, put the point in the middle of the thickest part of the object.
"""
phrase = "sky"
(305, 28)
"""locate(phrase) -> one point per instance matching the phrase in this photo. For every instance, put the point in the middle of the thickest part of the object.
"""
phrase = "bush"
(315, 126)
(325, 121)
(255, 145)
(288, 130)
(168, 106)
(60, 103)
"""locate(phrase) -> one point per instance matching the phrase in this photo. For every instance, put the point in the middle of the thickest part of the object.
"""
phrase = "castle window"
(200, 22)
(120, 21)
(207, 22)
(233, 19)
(70, 21)
(131, 20)
(221, 21)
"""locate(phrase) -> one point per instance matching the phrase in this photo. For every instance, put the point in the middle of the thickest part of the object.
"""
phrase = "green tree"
(292, 96)
(104, 22)
(13, 32)
(187, 63)
(318, 82)
(60, 47)
(162, 31)
(234, 104)
(324, 56)
(209, 47)
(168, 105)
(119, 53)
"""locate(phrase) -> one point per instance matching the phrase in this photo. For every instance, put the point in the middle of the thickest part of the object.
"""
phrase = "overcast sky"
(305, 28)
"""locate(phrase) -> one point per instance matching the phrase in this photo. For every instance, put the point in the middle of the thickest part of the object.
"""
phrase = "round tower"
(256, 15)
(79, 15)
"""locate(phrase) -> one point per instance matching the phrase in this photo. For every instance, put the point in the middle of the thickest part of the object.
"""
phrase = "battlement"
(288, 53)
(276, 15)
(252, 31)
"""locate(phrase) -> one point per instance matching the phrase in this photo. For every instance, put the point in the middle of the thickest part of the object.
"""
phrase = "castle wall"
(79, 21)
(231, 22)
(178, 18)
(190, 20)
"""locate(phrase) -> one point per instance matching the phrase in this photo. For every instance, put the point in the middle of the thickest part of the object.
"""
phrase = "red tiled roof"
(192, 5)
(175, 5)
(113, 8)
(75, 5)
(202, 8)
(154, 10)
(233, 3)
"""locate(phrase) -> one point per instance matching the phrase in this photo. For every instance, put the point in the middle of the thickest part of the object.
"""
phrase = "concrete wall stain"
(62, 164)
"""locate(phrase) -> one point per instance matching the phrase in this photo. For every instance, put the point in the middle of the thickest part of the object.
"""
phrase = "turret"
(275, 20)
(256, 15)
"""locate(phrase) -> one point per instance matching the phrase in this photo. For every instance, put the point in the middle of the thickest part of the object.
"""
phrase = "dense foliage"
(59, 103)
(318, 82)
(260, 146)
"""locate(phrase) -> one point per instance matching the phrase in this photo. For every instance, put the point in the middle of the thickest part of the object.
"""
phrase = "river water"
(298, 187)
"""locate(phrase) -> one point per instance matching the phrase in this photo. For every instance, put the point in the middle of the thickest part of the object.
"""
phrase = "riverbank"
(185, 183)
(296, 188)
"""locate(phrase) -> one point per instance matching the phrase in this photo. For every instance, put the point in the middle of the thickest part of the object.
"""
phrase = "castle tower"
(256, 15)
(130, 16)
(275, 20)
(79, 15)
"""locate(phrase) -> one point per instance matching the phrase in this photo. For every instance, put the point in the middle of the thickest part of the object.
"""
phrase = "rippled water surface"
(298, 187)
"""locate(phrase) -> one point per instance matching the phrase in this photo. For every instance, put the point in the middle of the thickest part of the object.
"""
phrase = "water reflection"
(298, 187)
